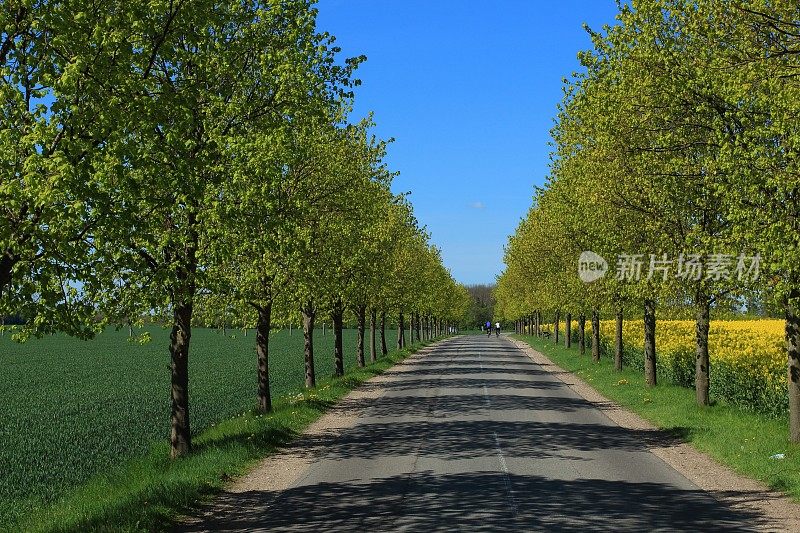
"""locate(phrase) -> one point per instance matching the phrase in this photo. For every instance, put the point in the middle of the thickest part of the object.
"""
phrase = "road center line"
(486, 396)
(506, 477)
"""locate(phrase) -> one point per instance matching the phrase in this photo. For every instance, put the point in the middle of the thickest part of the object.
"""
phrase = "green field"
(70, 409)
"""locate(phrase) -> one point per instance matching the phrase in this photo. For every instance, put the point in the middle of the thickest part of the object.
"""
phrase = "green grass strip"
(150, 493)
(741, 440)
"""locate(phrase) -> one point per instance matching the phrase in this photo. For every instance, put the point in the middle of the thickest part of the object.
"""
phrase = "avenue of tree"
(680, 137)
(193, 163)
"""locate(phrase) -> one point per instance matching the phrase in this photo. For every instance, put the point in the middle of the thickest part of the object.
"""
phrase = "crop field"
(748, 358)
(70, 409)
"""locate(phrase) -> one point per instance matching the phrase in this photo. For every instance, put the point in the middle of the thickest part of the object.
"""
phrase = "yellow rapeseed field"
(748, 357)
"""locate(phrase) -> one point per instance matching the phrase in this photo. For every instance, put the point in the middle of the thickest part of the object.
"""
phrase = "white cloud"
(477, 205)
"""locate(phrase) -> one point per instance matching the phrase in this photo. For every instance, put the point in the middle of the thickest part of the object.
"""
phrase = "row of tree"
(678, 147)
(191, 161)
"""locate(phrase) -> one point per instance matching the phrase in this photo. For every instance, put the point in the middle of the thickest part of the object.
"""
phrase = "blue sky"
(468, 89)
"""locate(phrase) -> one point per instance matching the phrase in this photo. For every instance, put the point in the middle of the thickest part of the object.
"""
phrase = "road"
(475, 436)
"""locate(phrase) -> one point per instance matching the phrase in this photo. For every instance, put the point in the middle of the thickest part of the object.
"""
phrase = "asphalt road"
(476, 437)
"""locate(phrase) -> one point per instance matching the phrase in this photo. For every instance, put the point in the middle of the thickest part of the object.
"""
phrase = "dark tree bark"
(180, 436)
(568, 330)
(361, 316)
(701, 366)
(596, 335)
(793, 349)
(618, 341)
(7, 262)
(384, 350)
(373, 352)
(419, 327)
(337, 316)
(262, 351)
(401, 331)
(555, 326)
(309, 315)
(650, 343)
(582, 334)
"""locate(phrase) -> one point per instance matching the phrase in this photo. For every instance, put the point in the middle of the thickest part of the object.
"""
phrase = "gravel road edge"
(739, 492)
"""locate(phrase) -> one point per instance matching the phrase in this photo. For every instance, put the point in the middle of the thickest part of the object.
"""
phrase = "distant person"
(497, 329)
(489, 328)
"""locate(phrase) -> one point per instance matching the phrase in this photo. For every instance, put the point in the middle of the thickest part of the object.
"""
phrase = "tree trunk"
(337, 315)
(650, 343)
(401, 332)
(384, 350)
(568, 330)
(555, 326)
(7, 262)
(262, 351)
(361, 315)
(618, 341)
(793, 349)
(180, 437)
(373, 352)
(309, 314)
(419, 327)
(701, 367)
(596, 335)
(582, 334)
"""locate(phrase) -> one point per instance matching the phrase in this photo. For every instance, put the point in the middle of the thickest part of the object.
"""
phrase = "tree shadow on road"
(481, 501)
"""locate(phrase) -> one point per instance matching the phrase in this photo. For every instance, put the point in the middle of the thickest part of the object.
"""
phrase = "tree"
(60, 66)
(186, 104)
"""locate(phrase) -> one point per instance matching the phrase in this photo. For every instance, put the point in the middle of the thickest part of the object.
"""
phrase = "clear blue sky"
(469, 90)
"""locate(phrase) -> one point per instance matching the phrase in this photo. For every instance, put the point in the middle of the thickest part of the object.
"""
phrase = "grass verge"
(151, 492)
(742, 440)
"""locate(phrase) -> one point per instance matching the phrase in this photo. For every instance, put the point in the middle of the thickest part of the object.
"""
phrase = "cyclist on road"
(489, 328)
(497, 329)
